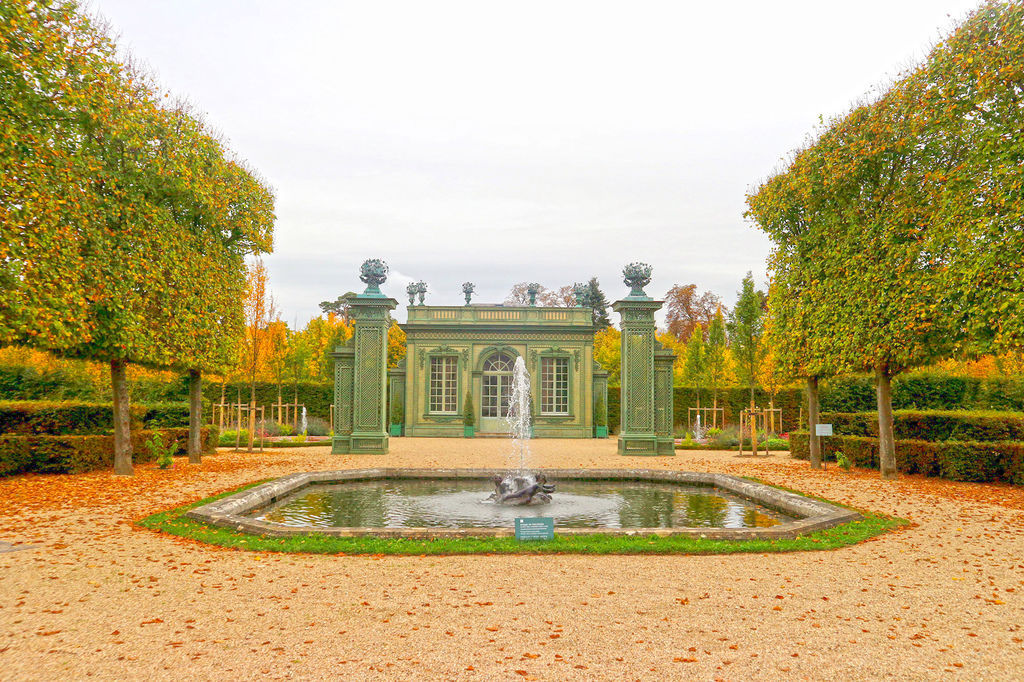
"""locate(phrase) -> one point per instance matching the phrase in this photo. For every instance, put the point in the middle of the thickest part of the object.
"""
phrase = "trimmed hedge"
(933, 425)
(954, 460)
(78, 454)
(79, 418)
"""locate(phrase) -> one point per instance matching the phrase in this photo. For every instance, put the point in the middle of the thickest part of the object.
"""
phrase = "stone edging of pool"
(812, 515)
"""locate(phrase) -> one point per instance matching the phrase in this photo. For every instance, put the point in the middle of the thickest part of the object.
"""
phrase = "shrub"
(160, 452)
(269, 428)
(776, 444)
(726, 439)
(843, 462)
(468, 413)
(230, 438)
(318, 427)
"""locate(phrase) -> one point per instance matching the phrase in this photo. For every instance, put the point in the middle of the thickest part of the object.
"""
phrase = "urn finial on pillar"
(373, 273)
(637, 276)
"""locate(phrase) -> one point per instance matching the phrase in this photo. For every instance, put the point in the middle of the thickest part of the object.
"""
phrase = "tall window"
(444, 384)
(554, 386)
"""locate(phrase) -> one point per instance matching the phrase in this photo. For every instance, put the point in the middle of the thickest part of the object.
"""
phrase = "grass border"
(174, 522)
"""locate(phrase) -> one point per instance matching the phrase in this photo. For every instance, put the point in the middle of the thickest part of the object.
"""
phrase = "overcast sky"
(518, 141)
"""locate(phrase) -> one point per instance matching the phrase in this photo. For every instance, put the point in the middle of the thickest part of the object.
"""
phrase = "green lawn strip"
(174, 522)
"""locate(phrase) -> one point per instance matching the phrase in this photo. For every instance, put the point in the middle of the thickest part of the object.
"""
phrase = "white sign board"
(822, 429)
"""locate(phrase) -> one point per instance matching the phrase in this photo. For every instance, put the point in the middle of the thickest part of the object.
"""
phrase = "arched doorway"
(497, 387)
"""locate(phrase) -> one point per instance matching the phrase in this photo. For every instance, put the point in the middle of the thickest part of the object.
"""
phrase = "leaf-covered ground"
(99, 595)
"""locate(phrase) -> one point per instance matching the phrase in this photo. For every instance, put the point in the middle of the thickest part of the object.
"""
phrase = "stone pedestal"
(638, 425)
(360, 377)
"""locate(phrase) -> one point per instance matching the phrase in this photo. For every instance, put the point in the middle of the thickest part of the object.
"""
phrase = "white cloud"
(503, 142)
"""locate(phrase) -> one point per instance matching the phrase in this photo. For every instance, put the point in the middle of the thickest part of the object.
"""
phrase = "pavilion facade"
(459, 369)
(459, 351)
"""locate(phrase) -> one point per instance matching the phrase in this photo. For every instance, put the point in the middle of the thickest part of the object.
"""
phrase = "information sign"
(822, 429)
(535, 528)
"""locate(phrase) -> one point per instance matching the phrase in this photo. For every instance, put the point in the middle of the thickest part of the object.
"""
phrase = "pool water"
(413, 503)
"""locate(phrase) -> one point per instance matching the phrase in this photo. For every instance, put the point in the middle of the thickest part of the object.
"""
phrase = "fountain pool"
(453, 503)
(411, 503)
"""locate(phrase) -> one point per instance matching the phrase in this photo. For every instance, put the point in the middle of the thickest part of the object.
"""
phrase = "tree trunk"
(195, 416)
(812, 421)
(122, 420)
(252, 413)
(886, 440)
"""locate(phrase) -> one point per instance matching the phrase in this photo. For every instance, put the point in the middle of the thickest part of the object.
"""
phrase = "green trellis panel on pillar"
(638, 427)
(364, 407)
(664, 361)
(344, 362)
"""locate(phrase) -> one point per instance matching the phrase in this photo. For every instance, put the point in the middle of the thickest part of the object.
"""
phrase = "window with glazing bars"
(554, 386)
(444, 384)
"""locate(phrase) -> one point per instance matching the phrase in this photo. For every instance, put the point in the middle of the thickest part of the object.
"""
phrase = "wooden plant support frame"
(717, 417)
(241, 409)
(753, 417)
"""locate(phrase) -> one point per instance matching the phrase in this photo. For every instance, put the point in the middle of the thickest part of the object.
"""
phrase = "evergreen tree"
(746, 328)
(695, 367)
(599, 303)
(714, 352)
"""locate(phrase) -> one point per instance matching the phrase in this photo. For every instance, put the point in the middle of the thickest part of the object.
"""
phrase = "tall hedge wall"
(19, 382)
(922, 391)
(933, 425)
(317, 398)
(80, 418)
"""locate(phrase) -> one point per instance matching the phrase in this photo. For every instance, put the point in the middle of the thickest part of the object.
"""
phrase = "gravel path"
(96, 596)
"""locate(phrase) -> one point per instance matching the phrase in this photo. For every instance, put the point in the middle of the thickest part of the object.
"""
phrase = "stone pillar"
(365, 413)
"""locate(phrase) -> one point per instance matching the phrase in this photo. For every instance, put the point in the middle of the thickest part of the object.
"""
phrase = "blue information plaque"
(535, 528)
